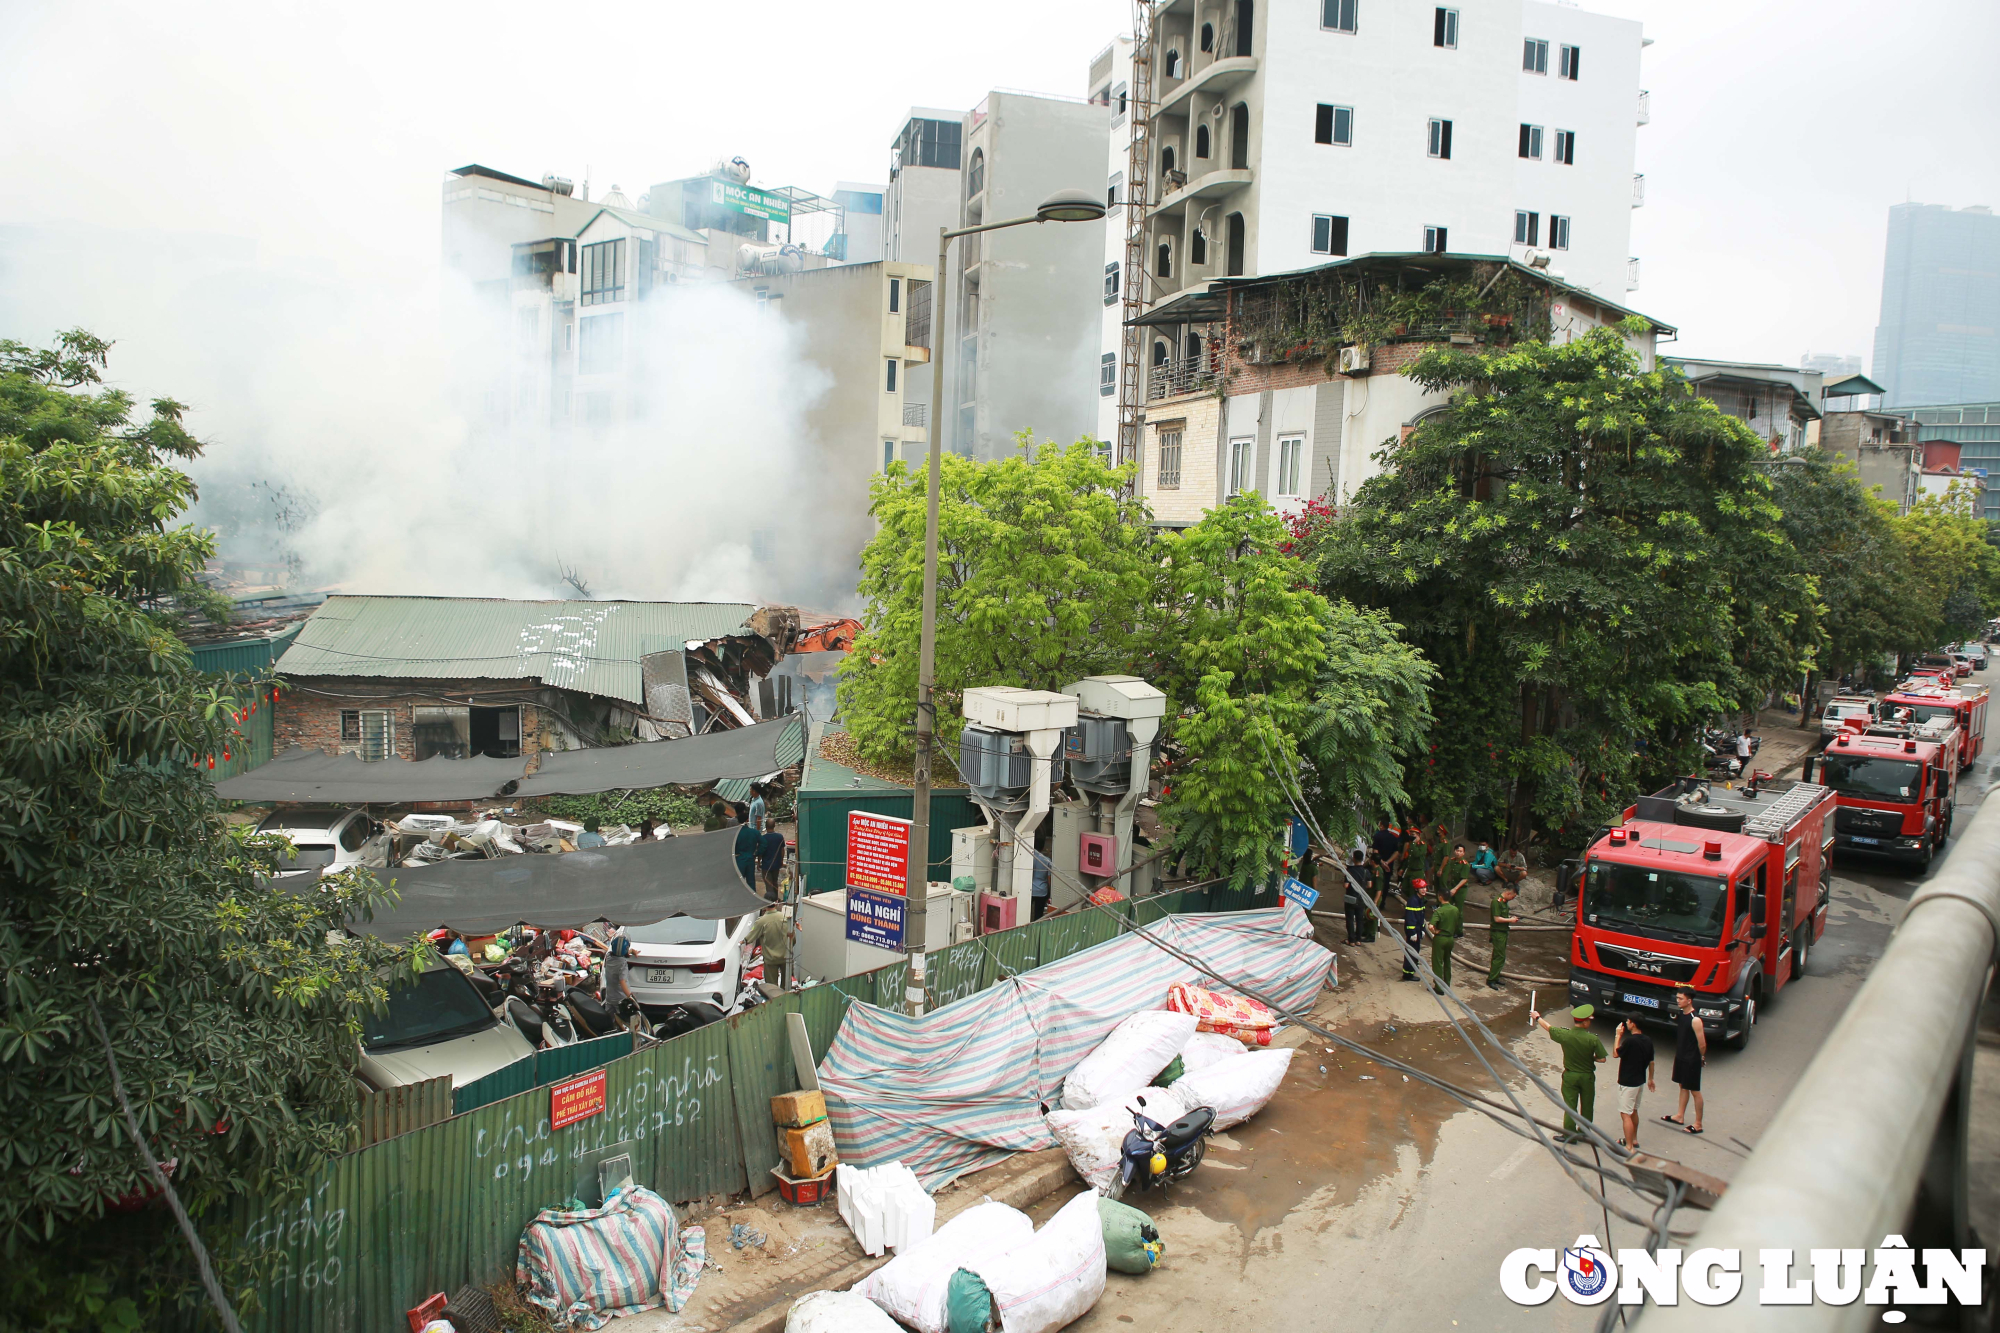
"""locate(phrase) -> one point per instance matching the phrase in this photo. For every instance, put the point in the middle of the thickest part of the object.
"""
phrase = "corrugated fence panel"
(393, 1111)
(760, 1067)
(954, 973)
(683, 1111)
(563, 1061)
(506, 1081)
(824, 1007)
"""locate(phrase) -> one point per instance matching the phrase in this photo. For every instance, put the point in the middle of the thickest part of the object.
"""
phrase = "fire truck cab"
(1964, 705)
(1722, 890)
(1896, 785)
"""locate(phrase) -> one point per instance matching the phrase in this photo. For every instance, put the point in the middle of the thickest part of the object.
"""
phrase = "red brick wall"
(309, 711)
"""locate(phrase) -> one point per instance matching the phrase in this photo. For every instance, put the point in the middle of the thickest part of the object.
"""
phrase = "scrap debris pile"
(422, 839)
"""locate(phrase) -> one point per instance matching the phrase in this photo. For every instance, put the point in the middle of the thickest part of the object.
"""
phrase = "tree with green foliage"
(1048, 572)
(1590, 555)
(1955, 570)
(125, 896)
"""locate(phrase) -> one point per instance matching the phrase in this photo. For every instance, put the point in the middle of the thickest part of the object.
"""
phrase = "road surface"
(1358, 1200)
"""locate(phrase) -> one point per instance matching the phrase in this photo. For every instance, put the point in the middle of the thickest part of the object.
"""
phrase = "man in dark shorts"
(1634, 1050)
(1690, 1054)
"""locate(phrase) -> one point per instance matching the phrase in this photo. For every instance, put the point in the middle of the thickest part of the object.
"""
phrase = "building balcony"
(1179, 379)
(1632, 275)
(1210, 186)
(1645, 107)
(968, 250)
(1638, 190)
(916, 414)
(1217, 77)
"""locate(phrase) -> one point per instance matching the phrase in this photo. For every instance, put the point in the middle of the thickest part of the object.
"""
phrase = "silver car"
(325, 839)
(687, 961)
(433, 1025)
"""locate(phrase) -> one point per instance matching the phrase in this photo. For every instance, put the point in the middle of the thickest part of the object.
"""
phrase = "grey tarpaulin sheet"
(315, 777)
(693, 875)
(746, 752)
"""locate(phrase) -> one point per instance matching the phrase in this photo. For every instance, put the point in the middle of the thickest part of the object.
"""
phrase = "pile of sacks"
(1157, 1063)
(987, 1269)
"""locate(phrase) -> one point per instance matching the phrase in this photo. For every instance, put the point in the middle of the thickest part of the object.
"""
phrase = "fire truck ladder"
(1138, 195)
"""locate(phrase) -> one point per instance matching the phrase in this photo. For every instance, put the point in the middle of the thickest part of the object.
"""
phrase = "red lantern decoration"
(211, 761)
(225, 758)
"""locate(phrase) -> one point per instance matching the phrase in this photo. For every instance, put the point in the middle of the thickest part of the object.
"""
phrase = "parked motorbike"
(538, 1010)
(1154, 1155)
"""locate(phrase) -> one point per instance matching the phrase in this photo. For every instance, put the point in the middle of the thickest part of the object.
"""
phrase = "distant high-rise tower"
(1938, 340)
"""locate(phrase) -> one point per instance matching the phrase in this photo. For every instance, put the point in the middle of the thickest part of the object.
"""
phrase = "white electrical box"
(972, 854)
(1010, 708)
(1128, 697)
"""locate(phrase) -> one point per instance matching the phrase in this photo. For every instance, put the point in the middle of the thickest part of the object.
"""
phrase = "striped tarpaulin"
(964, 1086)
(585, 1267)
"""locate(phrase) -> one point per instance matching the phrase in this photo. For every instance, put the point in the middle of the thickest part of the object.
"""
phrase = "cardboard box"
(808, 1152)
(797, 1109)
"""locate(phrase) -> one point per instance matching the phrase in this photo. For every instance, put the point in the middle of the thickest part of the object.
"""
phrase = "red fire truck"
(1724, 890)
(1895, 784)
(1965, 705)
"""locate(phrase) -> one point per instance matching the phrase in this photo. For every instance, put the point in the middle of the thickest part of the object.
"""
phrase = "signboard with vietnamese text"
(878, 852)
(750, 201)
(576, 1099)
(1301, 893)
(876, 919)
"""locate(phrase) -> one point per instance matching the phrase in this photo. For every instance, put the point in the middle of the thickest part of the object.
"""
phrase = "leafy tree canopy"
(123, 892)
(1591, 556)
(1955, 570)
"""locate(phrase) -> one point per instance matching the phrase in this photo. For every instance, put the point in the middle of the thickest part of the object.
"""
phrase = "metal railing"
(916, 414)
(1179, 377)
(1872, 1140)
(1638, 189)
(917, 323)
(1645, 107)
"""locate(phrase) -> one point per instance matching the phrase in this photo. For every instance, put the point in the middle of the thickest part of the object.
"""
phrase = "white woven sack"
(837, 1312)
(1054, 1279)
(1236, 1088)
(912, 1285)
(1136, 1051)
(1093, 1138)
(1207, 1048)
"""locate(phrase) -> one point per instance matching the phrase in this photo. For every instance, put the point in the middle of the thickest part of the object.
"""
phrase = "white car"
(1835, 719)
(325, 838)
(435, 1025)
(1977, 652)
(687, 961)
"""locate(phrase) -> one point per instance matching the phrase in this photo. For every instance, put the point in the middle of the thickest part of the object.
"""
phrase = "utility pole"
(1062, 206)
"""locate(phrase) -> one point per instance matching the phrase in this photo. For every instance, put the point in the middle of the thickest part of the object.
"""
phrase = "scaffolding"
(1138, 196)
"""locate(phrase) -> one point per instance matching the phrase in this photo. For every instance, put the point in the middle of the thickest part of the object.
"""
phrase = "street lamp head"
(1070, 206)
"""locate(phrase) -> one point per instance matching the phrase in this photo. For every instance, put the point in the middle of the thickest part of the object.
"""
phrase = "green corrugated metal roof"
(247, 654)
(591, 647)
(822, 774)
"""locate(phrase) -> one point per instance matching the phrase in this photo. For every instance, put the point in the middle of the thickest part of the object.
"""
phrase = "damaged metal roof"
(590, 647)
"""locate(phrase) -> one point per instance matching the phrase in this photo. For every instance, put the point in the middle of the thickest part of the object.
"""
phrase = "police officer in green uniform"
(1454, 873)
(1447, 924)
(1582, 1053)
(1416, 910)
(1503, 917)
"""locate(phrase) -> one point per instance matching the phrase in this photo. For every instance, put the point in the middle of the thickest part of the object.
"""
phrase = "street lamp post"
(1062, 206)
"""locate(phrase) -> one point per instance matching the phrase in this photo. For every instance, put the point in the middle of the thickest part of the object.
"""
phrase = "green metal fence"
(382, 1228)
(539, 1070)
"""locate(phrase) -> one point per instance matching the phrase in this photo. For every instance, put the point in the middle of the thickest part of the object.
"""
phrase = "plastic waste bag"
(1093, 1138)
(1128, 1058)
(837, 1312)
(1055, 1278)
(1206, 1048)
(968, 1304)
(1236, 1088)
(1131, 1241)
(912, 1286)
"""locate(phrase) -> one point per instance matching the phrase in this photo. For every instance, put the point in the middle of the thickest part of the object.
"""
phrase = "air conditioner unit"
(1354, 359)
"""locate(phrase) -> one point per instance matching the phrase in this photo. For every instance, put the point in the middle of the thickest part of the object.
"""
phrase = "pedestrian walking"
(1485, 862)
(611, 976)
(746, 855)
(1634, 1050)
(1447, 924)
(757, 807)
(1690, 1054)
(1582, 1054)
(1354, 903)
(773, 934)
(1743, 752)
(1038, 886)
(1416, 912)
(1387, 845)
(1501, 913)
(771, 859)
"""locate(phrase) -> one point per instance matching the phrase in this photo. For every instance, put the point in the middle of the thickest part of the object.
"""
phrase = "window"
(927, 143)
(1434, 240)
(889, 385)
(1444, 28)
(1111, 283)
(975, 175)
(603, 272)
(1117, 180)
(888, 454)
(440, 732)
(1107, 374)
(1118, 96)
(1164, 263)
(603, 344)
(1337, 15)
(1245, 10)
(1531, 141)
(1239, 137)
(1174, 63)
(1291, 456)
(1170, 459)
(1208, 36)
(1239, 465)
(1160, 353)
(1558, 232)
(1329, 234)
(1535, 56)
(895, 295)
(1197, 247)
(1527, 228)
(1440, 145)
(1235, 241)
(1570, 59)
(1334, 125)
(350, 725)
(1201, 141)
(1566, 147)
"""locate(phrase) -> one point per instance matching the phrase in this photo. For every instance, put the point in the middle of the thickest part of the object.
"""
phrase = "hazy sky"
(1781, 132)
